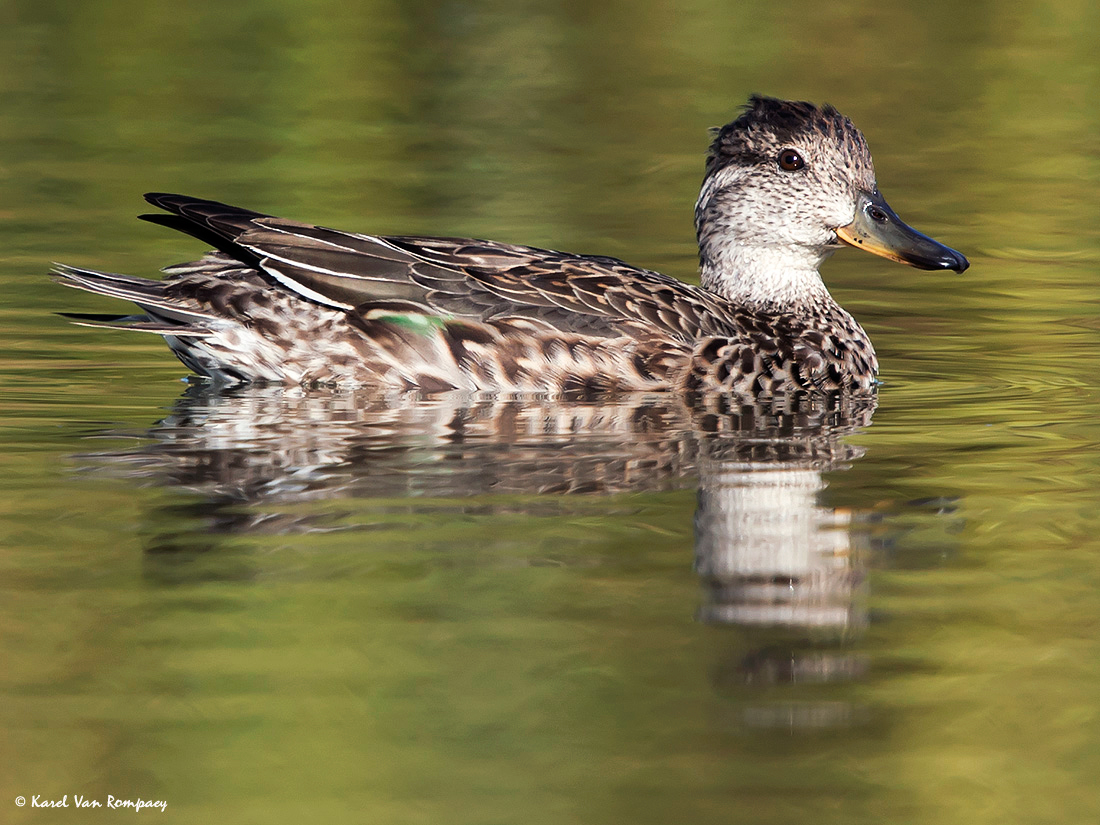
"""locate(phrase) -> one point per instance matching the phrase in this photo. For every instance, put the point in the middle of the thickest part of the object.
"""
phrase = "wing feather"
(457, 277)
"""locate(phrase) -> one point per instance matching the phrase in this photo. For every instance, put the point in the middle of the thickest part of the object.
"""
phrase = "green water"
(277, 606)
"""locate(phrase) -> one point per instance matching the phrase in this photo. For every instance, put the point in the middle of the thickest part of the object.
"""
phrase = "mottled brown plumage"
(282, 301)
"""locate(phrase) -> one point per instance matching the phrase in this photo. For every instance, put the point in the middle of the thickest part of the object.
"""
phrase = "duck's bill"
(877, 229)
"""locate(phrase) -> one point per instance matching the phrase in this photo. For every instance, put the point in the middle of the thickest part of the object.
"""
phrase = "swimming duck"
(786, 184)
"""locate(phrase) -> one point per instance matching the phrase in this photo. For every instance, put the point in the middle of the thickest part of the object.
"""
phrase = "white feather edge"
(295, 286)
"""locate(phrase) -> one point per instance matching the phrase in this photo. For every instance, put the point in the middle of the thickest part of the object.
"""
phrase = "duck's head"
(786, 184)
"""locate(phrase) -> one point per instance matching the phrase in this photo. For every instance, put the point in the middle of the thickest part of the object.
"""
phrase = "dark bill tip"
(944, 257)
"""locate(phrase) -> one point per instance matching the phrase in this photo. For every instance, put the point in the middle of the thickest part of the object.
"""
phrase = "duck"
(786, 184)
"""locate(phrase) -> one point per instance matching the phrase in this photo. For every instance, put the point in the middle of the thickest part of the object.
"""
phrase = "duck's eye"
(790, 160)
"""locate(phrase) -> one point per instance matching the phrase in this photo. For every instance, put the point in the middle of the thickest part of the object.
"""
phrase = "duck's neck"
(770, 278)
(749, 259)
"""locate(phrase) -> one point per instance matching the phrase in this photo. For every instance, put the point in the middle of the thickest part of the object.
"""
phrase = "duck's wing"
(456, 277)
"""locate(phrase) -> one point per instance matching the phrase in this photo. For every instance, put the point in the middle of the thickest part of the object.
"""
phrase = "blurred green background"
(536, 658)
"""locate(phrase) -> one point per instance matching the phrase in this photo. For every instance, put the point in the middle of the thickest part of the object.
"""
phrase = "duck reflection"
(770, 555)
(772, 559)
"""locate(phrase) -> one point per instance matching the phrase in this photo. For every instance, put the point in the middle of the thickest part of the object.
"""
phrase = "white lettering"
(137, 805)
(81, 801)
(38, 802)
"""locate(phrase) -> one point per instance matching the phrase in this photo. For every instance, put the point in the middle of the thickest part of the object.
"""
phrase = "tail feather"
(134, 323)
(65, 272)
(147, 294)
